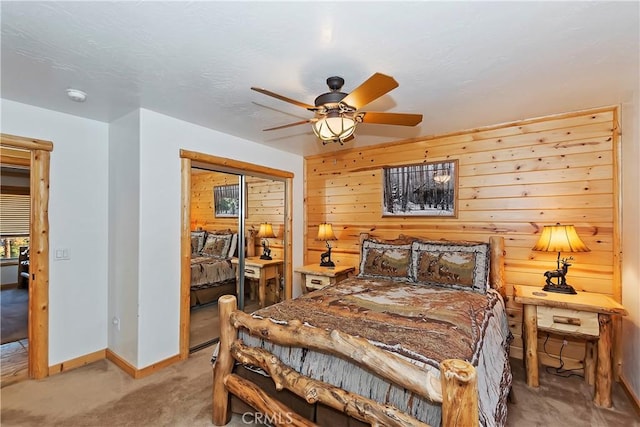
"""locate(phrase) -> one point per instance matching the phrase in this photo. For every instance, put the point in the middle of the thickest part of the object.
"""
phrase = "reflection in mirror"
(216, 215)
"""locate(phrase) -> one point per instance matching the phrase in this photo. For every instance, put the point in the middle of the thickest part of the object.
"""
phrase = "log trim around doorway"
(39, 248)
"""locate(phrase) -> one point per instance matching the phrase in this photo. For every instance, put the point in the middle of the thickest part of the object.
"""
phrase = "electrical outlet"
(116, 322)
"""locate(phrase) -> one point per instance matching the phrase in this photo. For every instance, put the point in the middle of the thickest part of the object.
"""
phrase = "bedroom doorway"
(263, 195)
(36, 154)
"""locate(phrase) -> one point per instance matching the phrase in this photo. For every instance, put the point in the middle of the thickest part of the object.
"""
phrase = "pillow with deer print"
(458, 265)
(385, 259)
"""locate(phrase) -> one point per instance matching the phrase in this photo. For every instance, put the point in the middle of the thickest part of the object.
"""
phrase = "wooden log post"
(530, 332)
(602, 396)
(590, 360)
(496, 243)
(459, 394)
(39, 266)
(224, 363)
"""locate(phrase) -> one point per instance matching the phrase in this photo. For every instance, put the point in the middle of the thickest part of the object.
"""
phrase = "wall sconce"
(559, 238)
(325, 232)
(265, 232)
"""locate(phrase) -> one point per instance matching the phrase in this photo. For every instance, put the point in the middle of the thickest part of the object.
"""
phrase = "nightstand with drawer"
(316, 277)
(261, 270)
(585, 315)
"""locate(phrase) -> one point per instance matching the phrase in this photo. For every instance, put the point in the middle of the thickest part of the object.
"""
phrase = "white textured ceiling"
(460, 64)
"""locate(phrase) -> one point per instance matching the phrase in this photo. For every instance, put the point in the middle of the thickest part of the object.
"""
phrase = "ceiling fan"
(337, 113)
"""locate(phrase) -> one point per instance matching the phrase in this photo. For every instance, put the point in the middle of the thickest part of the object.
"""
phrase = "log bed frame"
(456, 390)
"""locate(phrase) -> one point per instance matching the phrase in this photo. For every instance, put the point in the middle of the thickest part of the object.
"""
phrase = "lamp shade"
(334, 127)
(266, 231)
(560, 238)
(325, 232)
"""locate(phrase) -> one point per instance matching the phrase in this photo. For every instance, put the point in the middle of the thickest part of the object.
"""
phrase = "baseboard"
(77, 362)
(121, 363)
(117, 360)
(157, 366)
(9, 286)
(140, 373)
(635, 402)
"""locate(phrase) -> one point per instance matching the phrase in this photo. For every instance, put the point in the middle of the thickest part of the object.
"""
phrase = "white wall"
(161, 138)
(124, 232)
(630, 141)
(109, 183)
(77, 222)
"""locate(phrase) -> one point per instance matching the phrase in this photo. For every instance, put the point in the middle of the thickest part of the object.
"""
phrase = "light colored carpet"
(100, 394)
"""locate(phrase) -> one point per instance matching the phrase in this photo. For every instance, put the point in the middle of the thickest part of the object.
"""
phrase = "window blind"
(15, 214)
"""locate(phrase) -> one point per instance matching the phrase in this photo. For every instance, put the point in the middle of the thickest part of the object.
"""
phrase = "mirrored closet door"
(226, 209)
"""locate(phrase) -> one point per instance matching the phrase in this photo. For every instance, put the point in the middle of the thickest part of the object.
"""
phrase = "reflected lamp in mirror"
(325, 233)
(559, 238)
(266, 232)
(441, 177)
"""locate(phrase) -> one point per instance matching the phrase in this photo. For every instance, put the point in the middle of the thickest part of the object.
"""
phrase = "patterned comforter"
(207, 272)
(422, 324)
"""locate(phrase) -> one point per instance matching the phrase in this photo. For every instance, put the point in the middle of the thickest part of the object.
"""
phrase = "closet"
(244, 200)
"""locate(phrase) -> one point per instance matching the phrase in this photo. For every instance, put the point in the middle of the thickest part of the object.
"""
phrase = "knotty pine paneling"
(265, 203)
(513, 179)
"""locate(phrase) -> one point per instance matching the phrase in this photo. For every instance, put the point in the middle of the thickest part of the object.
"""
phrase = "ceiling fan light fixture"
(335, 127)
(337, 113)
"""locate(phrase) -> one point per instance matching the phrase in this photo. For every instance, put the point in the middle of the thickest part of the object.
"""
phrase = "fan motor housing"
(335, 83)
(329, 98)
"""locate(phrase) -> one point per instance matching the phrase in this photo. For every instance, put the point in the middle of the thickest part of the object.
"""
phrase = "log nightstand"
(262, 270)
(585, 315)
(316, 277)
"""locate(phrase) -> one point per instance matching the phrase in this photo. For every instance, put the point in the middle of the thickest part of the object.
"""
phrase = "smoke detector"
(76, 95)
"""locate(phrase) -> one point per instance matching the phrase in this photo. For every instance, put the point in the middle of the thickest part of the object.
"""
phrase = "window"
(15, 215)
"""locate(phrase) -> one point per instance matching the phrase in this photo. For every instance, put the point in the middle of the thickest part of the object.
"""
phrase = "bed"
(418, 337)
(212, 273)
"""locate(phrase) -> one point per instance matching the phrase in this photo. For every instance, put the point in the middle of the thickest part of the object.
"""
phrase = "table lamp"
(559, 238)
(325, 232)
(266, 232)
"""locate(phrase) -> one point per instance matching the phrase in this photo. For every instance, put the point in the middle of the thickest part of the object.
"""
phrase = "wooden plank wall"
(265, 203)
(513, 180)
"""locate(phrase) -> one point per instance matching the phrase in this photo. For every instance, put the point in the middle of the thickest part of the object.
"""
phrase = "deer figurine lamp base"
(325, 258)
(560, 274)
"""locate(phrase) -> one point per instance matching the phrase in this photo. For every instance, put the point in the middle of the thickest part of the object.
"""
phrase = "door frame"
(187, 160)
(38, 334)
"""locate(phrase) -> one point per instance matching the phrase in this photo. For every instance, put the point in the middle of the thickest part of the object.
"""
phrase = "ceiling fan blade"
(284, 98)
(373, 88)
(290, 125)
(401, 119)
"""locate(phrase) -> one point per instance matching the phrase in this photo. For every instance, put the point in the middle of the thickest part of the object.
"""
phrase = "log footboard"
(456, 389)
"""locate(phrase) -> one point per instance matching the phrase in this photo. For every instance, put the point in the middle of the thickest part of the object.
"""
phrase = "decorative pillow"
(221, 231)
(197, 241)
(233, 246)
(459, 265)
(385, 260)
(217, 245)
